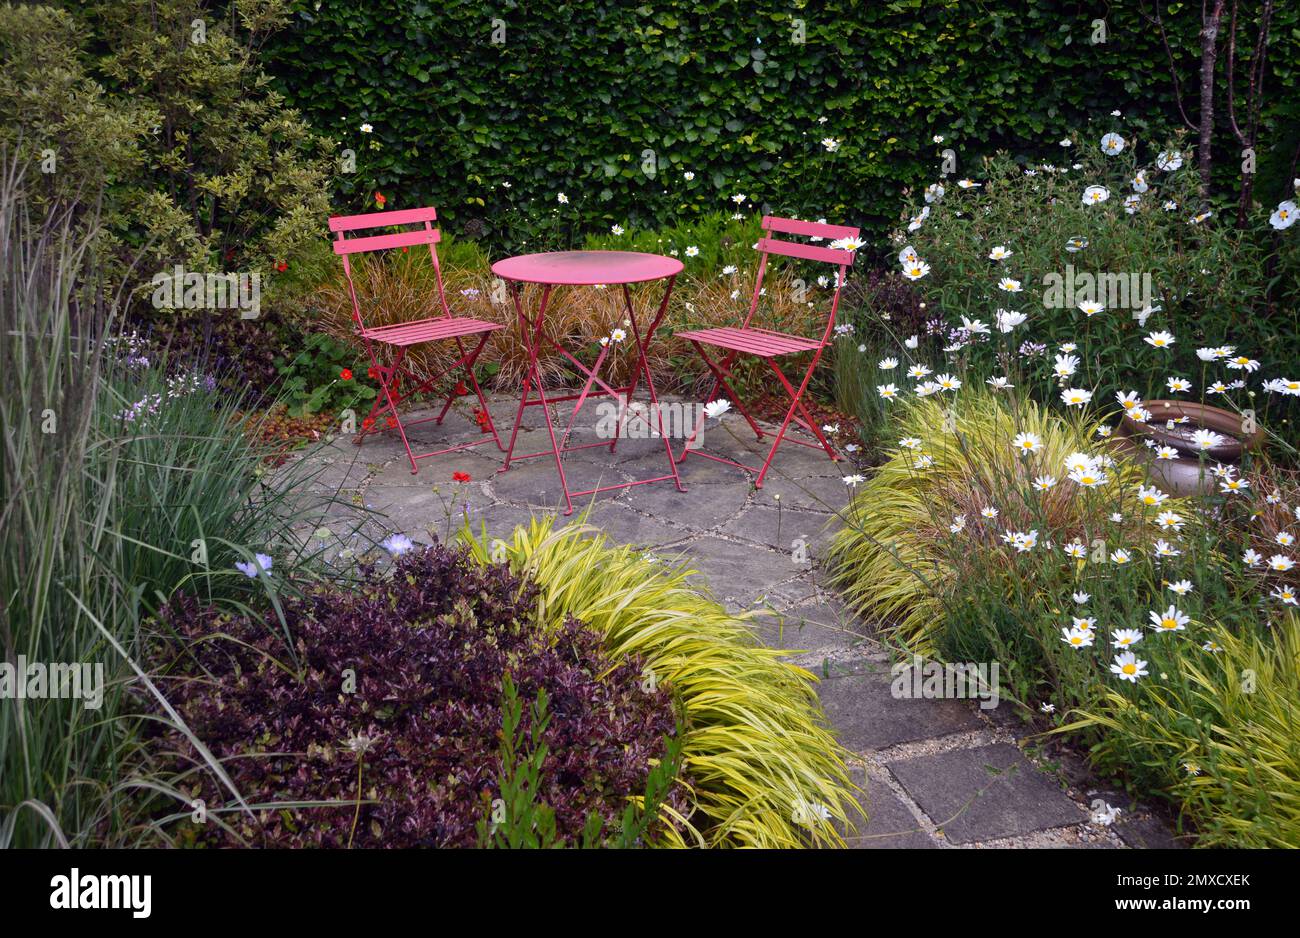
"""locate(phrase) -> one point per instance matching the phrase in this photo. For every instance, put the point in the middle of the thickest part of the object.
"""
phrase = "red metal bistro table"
(587, 268)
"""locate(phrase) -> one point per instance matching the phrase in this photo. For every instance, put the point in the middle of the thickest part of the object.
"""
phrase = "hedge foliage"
(577, 97)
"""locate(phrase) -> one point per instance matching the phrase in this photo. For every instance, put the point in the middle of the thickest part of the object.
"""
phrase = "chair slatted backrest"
(345, 246)
(768, 244)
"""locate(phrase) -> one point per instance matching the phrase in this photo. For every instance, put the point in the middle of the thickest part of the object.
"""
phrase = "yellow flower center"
(1129, 668)
(1168, 623)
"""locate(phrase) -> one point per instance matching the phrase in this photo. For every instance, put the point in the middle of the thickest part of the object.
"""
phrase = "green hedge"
(578, 91)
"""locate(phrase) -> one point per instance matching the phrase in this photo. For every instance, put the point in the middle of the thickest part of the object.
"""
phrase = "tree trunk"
(1209, 52)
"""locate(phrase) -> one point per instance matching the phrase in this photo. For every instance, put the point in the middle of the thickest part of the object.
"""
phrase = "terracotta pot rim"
(1225, 422)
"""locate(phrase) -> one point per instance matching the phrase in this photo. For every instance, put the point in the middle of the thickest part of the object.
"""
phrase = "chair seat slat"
(428, 330)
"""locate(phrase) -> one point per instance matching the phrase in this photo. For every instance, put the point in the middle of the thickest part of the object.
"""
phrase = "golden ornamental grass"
(894, 557)
(755, 745)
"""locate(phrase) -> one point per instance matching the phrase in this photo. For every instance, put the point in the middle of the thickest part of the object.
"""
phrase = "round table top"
(584, 268)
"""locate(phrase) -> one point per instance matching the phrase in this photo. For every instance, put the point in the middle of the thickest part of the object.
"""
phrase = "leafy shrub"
(881, 309)
(322, 377)
(573, 95)
(1208, 282)
(163, 106)
(400, 759)
(761, 763)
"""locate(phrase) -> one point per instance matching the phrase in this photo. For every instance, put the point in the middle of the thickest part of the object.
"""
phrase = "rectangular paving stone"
(814, 626)
(889, 825)
(866, 716)
(985, 793)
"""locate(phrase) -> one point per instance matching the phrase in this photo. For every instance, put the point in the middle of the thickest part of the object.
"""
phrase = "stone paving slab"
(745, 577)
(868, 717)
(781, 529)
(812, 626)
(696, 510)
(985, 793)
(890, 823)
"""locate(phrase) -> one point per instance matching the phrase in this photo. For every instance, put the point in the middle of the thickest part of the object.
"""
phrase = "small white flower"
(717, 408)
(1094, 195)
(1077, 638)
(1207, 439)
(1171, 620)
(1106, 815)
(397, 544)
(1128, 667)
(1279, 563)
(1124, 638)
(1169, 160)
(1284, 216)
(1027, 442)
(1076, 397)
(260, 563)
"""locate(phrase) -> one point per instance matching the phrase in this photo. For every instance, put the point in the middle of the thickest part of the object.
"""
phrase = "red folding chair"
(769, 345)
(401, 336)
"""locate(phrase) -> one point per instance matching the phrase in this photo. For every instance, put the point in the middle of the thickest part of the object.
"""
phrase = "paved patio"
(936, 773)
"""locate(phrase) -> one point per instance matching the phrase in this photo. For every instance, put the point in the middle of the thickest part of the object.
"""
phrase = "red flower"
(461, 390)
(460, 476)
(346, 374)
(282, 267)
(379, 199)
(392, 422)
(371, 372)
(368, 422)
